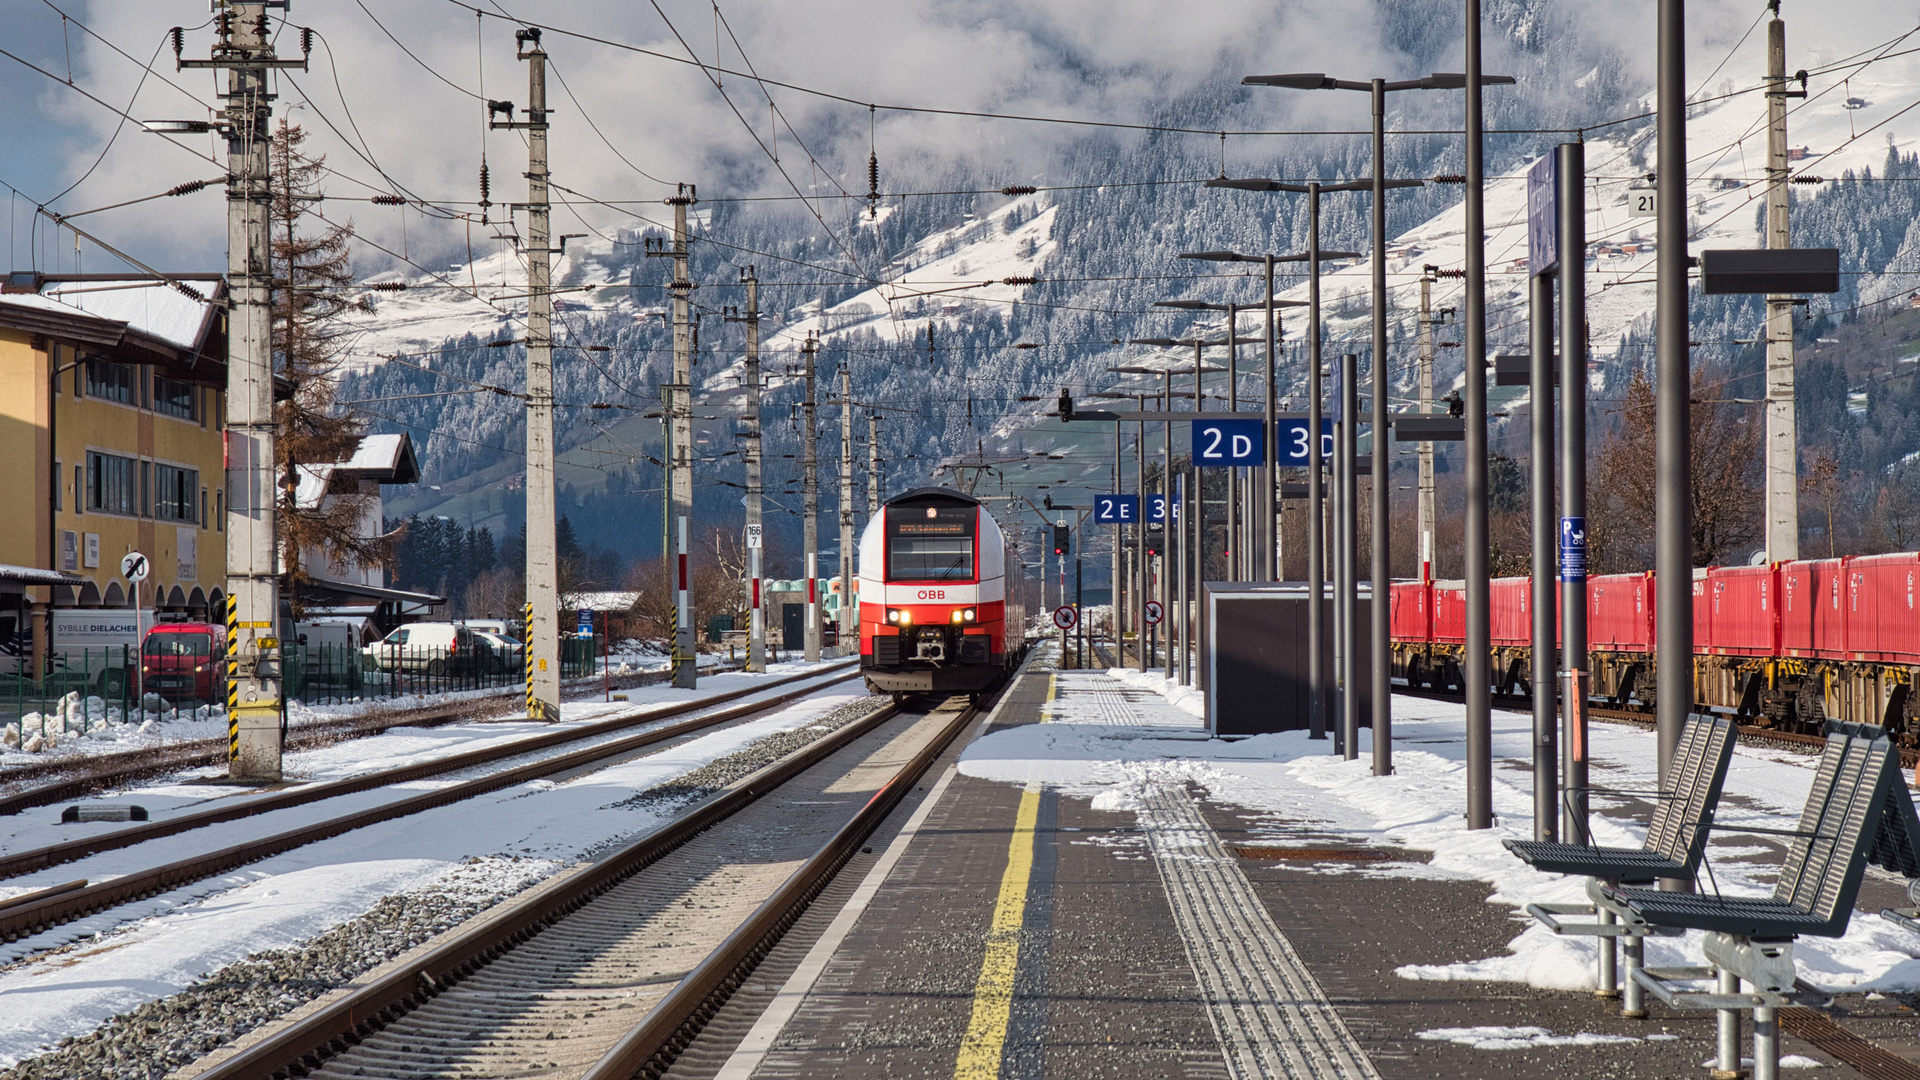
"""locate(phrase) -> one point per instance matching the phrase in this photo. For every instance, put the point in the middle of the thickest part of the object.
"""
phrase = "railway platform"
(1091, 887)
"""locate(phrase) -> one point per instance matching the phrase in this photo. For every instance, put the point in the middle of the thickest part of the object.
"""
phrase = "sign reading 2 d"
(1294, 449)
(1116, 509)
(1229, 443)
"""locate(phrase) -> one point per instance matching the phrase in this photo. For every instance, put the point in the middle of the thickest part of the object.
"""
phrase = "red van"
(184, 661)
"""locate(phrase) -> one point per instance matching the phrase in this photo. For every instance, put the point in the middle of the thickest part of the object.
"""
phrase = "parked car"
(185, 661)
(437, 648)
(504, 654)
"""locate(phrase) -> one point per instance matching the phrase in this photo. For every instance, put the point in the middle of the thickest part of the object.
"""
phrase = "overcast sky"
(418, 120)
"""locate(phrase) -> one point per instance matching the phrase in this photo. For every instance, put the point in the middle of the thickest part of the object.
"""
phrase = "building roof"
(388, 459)
(150, 307)
(599, 601)
(141, 320)
(33, 575)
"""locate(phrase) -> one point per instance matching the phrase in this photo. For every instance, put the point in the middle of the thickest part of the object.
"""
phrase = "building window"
(146, 489)
(59, 485)
(110, 483)
(220, 510)
(79, 489)
(203, 508)
(111, 381)
(175, 398)
(174, 493)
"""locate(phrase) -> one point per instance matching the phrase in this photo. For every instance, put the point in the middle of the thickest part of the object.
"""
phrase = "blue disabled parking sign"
(1116, 509)
(585, 617)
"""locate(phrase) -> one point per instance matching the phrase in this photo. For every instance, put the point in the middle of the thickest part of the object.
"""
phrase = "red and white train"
(937, 613)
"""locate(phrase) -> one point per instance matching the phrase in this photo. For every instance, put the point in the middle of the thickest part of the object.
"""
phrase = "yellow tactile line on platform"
(1046, 707)
(986, 1037)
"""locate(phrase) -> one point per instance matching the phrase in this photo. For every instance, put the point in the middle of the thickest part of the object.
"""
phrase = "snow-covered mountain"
(927, 298)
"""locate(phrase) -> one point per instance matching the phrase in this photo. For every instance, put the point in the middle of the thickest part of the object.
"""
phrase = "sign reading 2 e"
(1116, 509)
(1229, 443)
(1294, 449)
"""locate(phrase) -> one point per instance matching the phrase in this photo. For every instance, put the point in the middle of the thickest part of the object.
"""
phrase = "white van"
(437, 648)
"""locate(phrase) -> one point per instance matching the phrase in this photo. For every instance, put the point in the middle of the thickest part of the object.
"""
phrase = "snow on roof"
(599, 601)
(312, 486)
(153, 308)
(377, 453)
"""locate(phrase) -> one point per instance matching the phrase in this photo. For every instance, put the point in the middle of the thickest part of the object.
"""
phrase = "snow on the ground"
(281, 901)
(1422, 807)
(1518, 1038)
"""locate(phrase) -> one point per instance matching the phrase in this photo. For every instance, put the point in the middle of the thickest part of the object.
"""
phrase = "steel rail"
(301, 1045)
(99, 771)
(32, 918)
(672, 1024)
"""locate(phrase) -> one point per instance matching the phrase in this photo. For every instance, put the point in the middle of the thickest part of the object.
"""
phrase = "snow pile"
(1518, 1038)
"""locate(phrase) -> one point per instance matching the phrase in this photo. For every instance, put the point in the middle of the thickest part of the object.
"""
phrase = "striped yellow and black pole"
(233, 684)
(526, 636)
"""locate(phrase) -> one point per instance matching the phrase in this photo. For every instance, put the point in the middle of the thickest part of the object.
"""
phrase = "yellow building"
(111, 407)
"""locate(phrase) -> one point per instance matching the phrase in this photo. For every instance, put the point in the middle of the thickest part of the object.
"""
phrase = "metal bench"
(1896, 847)
(1676, 842)
(1751, 938)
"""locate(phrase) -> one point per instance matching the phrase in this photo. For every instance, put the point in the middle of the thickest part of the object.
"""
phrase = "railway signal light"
(1060, 539)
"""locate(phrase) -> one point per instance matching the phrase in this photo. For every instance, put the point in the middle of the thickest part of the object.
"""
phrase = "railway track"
(1750, 734)
(616, 968)
(35, 912)
(82, 776)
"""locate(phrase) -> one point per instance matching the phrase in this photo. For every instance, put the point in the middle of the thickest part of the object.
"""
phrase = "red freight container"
(1510, 610)
(1743, 617)
(1620, 613)
(1811, 622)
(1411, 616)
(1450, 612)
(1881, 621)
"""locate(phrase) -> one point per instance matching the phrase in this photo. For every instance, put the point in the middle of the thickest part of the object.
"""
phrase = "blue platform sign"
(585, 616)
(1294, 449)
(1543, 216)
(1157, 510)
(1573, 550)
(1229, 443)
(1116, 509)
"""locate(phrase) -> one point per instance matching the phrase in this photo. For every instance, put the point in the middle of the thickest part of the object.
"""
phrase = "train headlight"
(958, 615)
(893, 615)
(900, 615)
(969, 614)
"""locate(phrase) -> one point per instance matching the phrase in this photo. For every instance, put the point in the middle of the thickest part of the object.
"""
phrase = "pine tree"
(312, 275)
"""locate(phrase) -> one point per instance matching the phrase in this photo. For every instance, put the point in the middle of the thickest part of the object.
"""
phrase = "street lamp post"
(1316, 463)
(1378, 89)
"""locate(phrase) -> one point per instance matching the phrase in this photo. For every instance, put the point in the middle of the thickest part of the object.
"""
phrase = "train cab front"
(924, 625)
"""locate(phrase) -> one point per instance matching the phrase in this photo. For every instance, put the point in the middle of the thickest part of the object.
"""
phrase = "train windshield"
(930, 543)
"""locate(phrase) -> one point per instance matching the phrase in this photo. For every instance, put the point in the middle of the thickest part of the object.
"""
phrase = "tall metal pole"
(1783, 470)
(1182, 553)
(1540, 372)
(1194, 528)
(1347, 592)
(1673, 481)
(757, 626)
(1426, 492)
(1267, 505)
(1236, 552)
(1168, 533)
(1316, 536)
(680, 420)
(1479, 695)
(1571, 173)
(1144, 634)
(1381, 573)
(1117, 592)
(810, 503)
(254, 691)
(849, 615)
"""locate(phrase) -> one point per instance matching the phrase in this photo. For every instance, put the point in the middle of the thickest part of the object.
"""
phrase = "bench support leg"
(1633, 1004)
(1727, 1067)
(1609, 979)
(1766, 1044)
